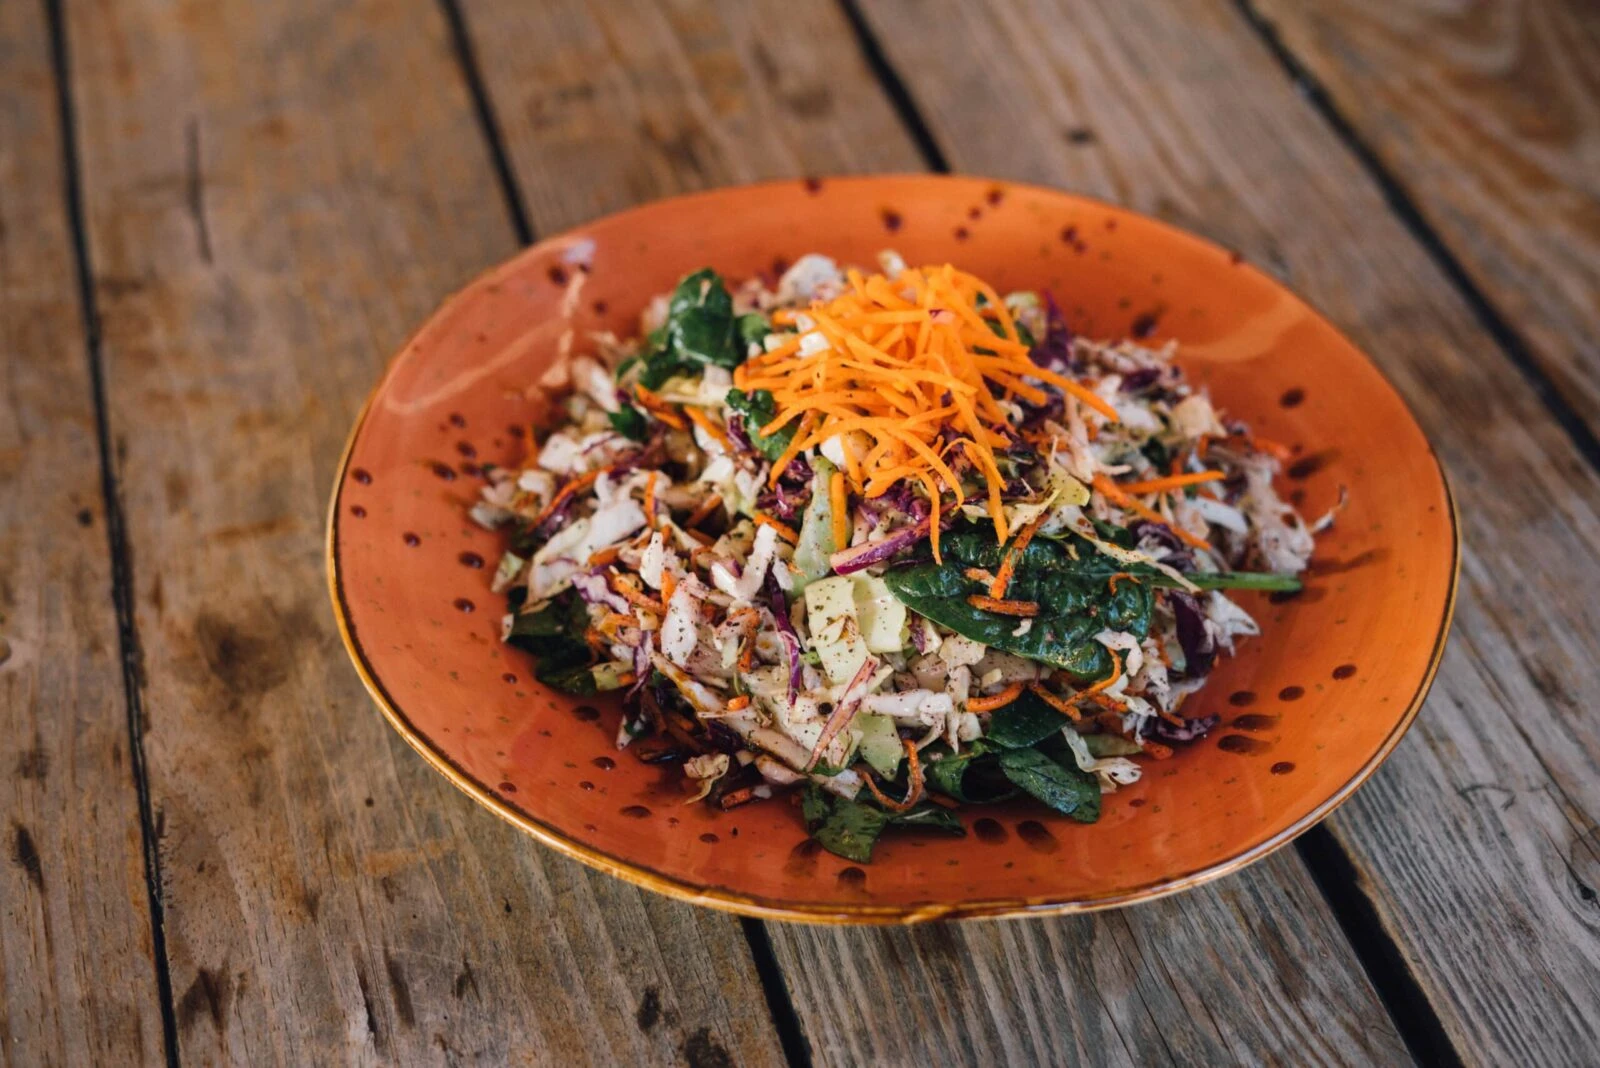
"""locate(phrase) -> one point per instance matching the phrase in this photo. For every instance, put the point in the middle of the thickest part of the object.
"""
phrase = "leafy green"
(845, 828)
(753, 329)
(554, 634)
(972, 776)
(1023, 723)
(1069, 790)
(931, 817)
(1066, 575)
(850, 829)
(759, 409)
(1244, 580)
(700, 331)
(630, 422)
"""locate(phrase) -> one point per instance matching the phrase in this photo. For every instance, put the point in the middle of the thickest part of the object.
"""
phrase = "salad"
(891, 542)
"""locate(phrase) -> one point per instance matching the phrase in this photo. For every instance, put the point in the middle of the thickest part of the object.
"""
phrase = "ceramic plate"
(1308, 710)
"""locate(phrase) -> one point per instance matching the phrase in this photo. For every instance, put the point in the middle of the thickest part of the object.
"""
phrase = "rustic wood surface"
(1501, 766)
(77, 967)
(686, 95)
(273, 195)
(1487, 117)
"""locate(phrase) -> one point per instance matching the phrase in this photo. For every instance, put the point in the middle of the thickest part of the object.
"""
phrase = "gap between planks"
(1404, 206)
(122, 589)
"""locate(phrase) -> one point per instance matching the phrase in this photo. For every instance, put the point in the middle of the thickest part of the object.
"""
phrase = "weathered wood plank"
(276, 194)
(1488, 114)
(77, 974)
(1176, 107)
(769, 89)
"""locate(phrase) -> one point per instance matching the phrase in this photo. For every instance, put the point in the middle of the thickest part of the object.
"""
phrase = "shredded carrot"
(700, 419)
(905, 360)
(659, 408)
(1004, 608)
(650, 499)
(839, 500)
(629, 589)
(1110, 680)
(979, 574)
(705, 540)
(785, 532)
(740, 702)
(707, 506)
(669, 586)
(626, 679)
(1163, 485)
(602, 557)
(1113, 493)
(1054, 700)
(914, 785)
(579, 483)
(1120, 576)
(994, 701)
(1008, 566)
(781, 464)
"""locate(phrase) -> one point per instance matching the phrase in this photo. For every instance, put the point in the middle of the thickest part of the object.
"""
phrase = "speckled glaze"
(1309, 710)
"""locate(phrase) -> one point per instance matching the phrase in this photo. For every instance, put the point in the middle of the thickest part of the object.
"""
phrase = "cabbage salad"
(891, 541)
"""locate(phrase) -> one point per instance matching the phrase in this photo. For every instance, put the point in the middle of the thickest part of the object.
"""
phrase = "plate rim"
(730, 900)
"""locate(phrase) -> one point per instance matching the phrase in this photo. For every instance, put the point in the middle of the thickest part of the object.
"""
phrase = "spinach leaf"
(759, 409)
(554, 634)
(931, 817)
(1243, 580)
(629, 422)
(700, 321)
(850, 829)
(844, 828)
(1066, 575)
(753, 329)
(972, 776)
(1069, 790)
(660, 366)
(1024, 723)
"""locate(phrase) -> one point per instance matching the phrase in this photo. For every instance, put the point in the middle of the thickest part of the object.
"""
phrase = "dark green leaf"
(845, 828)
(759, 409)
(1243, 580)
(660, 366)
(1069, 790)
(973, 776)
(554, 634)
(753, 329)
(1023, 723)
(1067, 574)
(630, 423)
(929, 816)
(700, 322)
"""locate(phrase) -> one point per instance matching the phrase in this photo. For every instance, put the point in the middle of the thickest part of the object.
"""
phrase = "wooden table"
(218, 217)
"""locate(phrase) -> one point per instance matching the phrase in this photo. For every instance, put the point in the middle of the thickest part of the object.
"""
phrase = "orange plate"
(1309, 710)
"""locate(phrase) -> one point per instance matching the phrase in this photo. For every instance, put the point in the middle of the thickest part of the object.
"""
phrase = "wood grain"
(1488, 114)
(770, 89)
(77, 974)
(1476, 842)
(276, 194)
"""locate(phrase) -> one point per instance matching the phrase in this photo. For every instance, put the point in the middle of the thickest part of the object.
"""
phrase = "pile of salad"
(890, 541)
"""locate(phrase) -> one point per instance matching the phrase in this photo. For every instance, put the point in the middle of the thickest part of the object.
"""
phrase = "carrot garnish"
(914, 786)
(1114, 493)
(1110, 680)
(707, 506)
(1008, 566)
(742, 701)
(1054, 700)
(602, 557)
(579, 483)
(669, 586)
(1004, 608)
(650, 499)
(839, 500)
(890, 365)
(1172, 482)
(785, 532)
(1120, 576)
(704, 422)
(994, 701)
(781, 464)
